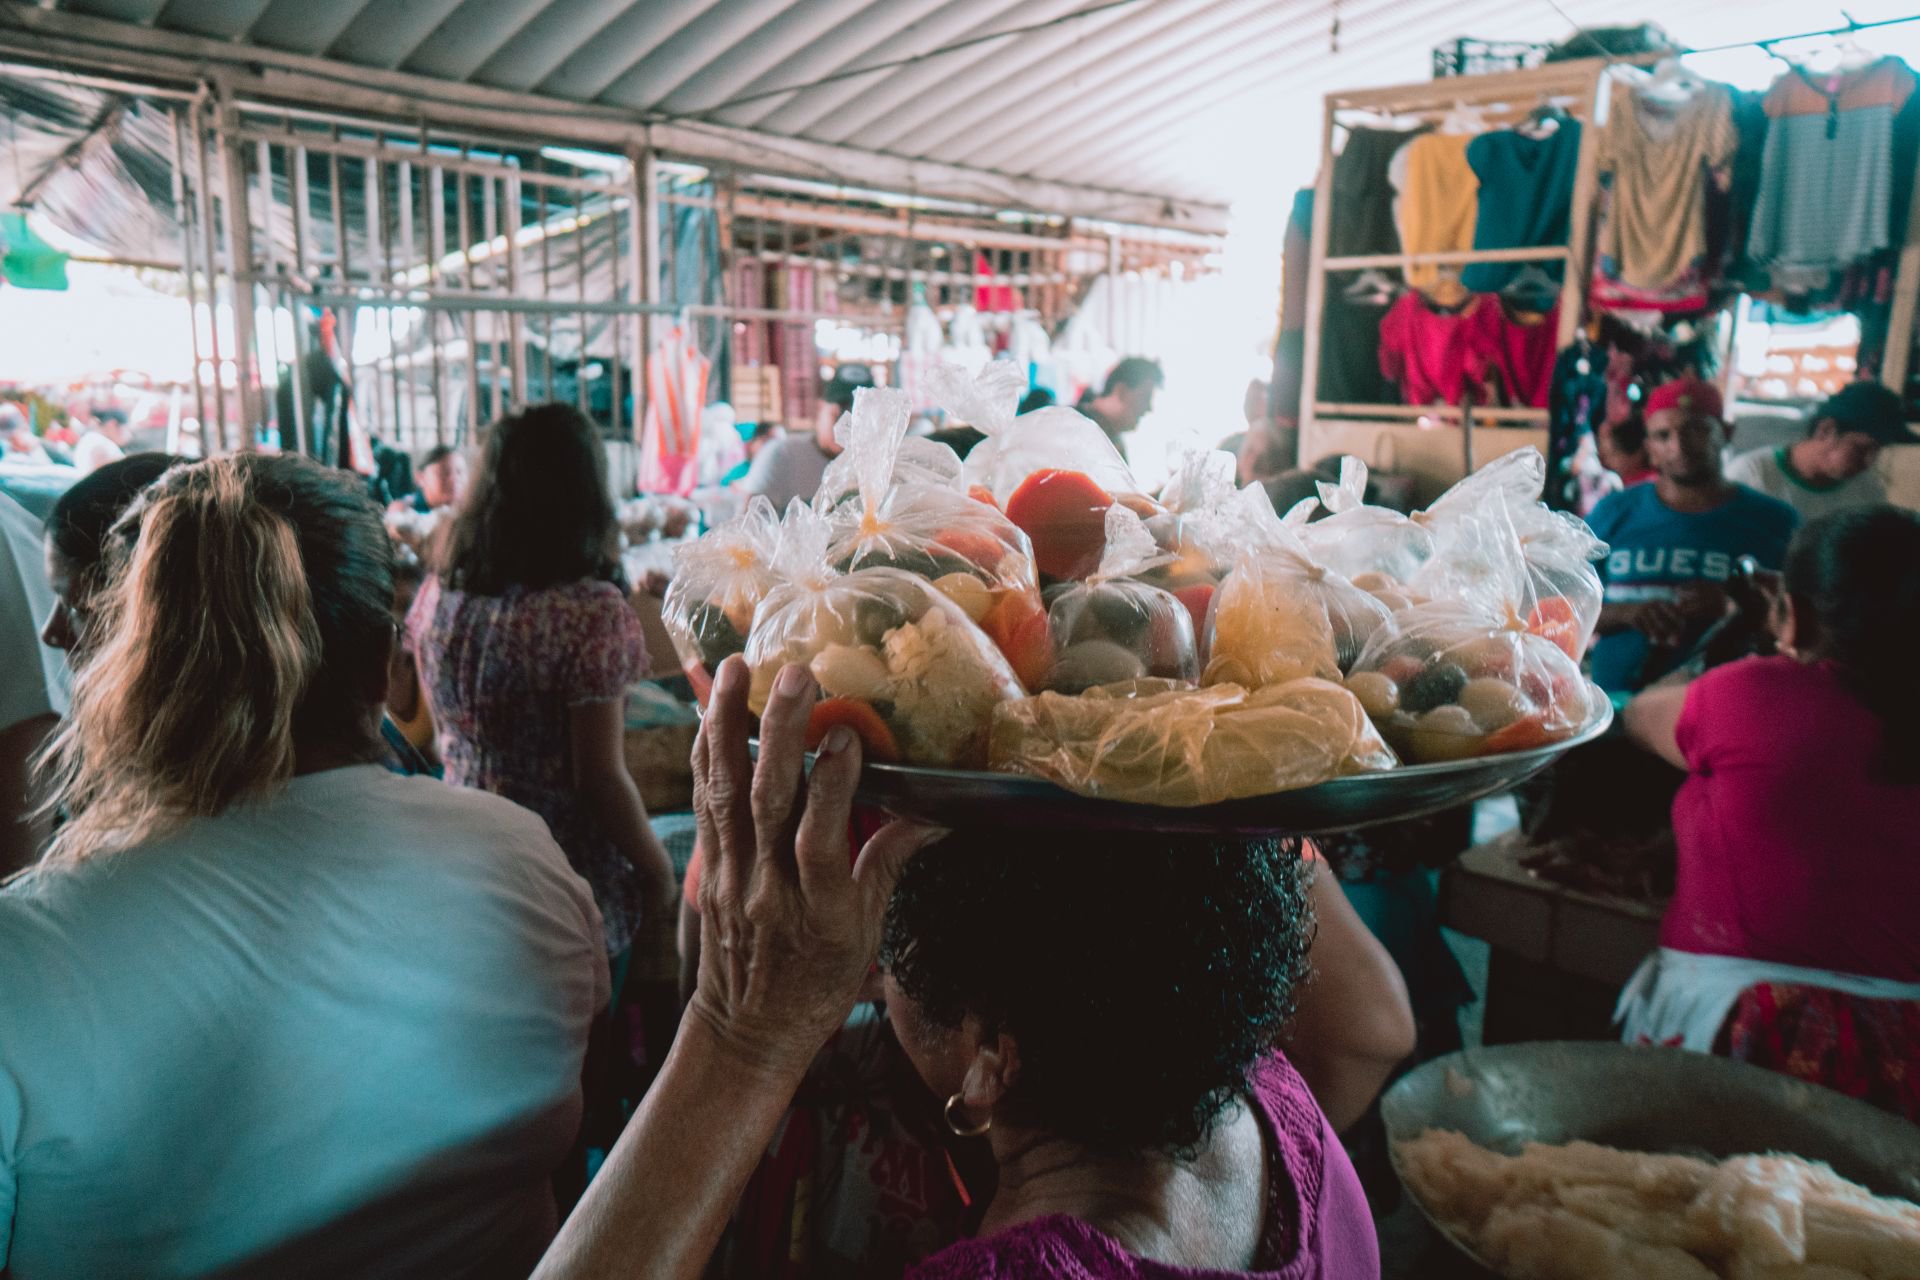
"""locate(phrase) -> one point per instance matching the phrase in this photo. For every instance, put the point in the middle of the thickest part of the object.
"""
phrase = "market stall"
(1506, 259)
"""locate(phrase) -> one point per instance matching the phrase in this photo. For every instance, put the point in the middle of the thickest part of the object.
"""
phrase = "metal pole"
(185, 221)
(436, 250)
(216, 441)
(646, 237)
(510, 192)
(239, 228)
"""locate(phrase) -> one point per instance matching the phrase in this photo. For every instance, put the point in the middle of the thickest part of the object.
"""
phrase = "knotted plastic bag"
(1149, 743)
(965, 548)
(917, 461)
(1196, 529)
(1053, 471)
(1556, 547)
(1376, 548)
(1281, 615)
(1112, 628)
(896, 660)
(1466, 674)
(718, 581)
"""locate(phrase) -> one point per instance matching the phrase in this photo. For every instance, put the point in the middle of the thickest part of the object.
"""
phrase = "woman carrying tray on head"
(1790, 940)
(1108, 1020)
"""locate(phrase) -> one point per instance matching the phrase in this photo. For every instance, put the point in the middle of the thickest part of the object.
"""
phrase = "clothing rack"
(1400, 436)
(1403, 436)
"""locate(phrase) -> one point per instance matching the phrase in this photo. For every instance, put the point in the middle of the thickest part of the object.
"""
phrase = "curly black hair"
(1141, 974)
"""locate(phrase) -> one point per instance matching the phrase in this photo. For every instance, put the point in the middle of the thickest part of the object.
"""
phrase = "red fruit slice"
(1065, 514)
(875, 737)
(1198, 600)
(1017, 625)
(1553, 619)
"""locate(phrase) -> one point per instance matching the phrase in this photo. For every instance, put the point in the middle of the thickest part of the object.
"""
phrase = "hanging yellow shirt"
(1438, 199)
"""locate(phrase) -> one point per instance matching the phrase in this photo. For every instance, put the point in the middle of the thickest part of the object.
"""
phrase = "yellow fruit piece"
(1494, 704)
(968, 592)
(846, 672)
(1377, 693)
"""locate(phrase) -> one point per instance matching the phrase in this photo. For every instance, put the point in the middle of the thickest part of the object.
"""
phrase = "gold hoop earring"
(960, 1129)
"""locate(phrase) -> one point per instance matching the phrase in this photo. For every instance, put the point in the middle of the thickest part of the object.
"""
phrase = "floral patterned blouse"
(501, 673)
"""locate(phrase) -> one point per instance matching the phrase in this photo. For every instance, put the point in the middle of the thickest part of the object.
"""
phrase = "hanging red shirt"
(1512, 352)
(1424, 350)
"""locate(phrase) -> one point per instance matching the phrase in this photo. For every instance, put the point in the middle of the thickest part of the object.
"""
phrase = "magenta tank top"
(1317, 1224)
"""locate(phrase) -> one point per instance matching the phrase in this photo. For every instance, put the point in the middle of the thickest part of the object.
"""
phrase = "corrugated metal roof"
(1170, 97)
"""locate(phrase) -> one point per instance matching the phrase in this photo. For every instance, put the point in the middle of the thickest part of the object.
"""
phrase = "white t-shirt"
(93, 451)
(791, 467)
(1771, 472)
(338, 1033)
(33, 678)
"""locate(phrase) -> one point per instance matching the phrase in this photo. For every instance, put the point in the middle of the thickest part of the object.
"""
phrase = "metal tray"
(1646, 1099)
(955, 797)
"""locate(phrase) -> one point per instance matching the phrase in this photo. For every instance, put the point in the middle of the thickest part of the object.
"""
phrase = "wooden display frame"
(1429, 440)
(1423, 439)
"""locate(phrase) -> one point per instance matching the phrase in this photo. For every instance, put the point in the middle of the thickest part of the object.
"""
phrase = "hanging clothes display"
(1361, 223)
(1730, 211)
(1363, 193)
(676, 393)
(1664, 148)
(1511, 351)
(1827, 176)
(1350, 335)
(1424, 349)
(1526, 197)
(1439, 196)
(1576, 406)
(1289, 348)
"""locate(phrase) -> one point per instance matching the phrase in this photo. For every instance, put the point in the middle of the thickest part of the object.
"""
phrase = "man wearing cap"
(1833, 467)
(1674, 542)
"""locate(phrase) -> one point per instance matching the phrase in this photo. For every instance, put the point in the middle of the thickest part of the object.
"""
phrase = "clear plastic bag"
(1111, 628)
(1196, 531)
(718, 581)
(1150, 744)
(1053, 471)
(966, 549)
(917, 461)
(1465, 675)
(896, 661)
(1374, 547)
(1557, 549)
(1281, 615)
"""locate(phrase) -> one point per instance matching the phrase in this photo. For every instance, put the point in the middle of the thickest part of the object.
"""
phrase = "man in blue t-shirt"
(1675, 541)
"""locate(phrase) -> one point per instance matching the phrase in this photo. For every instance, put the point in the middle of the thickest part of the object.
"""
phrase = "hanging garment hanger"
(1545, 119)
(1464, 119)
(1531, 289)
(1371, 286)
(1671, 84)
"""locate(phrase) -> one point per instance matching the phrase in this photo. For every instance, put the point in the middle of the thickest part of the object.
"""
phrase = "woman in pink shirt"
(1790, 937)
(1106, 1012)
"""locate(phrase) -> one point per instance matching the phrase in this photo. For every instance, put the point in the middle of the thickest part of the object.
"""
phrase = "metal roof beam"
(48, 37)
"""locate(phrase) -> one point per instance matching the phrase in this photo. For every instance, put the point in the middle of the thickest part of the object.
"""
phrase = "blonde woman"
(270, 1010)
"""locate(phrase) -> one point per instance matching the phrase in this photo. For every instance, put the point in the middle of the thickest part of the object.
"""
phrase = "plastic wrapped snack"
(1195, 530)
(918, 461)
(718, 581)
(1151, 744)
(1466, 675)
(1112, 628)
(1472, 525)
(1375, 547)
(1053, 471)
(897, 661)
(1281, 615)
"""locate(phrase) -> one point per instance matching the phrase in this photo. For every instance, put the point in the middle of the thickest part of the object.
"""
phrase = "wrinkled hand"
(788, 929)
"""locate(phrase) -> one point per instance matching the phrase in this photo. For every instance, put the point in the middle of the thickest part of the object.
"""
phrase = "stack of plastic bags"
(1031, 611)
